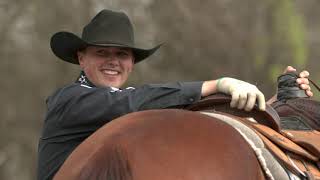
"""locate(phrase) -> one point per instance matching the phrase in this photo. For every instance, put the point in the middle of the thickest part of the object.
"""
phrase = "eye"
(100, 52)
(123, 54)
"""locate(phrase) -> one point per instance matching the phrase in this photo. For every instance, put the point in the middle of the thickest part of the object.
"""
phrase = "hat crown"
(109, 27)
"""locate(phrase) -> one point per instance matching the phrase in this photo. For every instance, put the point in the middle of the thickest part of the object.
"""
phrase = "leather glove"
(244, 95)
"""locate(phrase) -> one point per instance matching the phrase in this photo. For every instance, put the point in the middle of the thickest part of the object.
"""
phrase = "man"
(106, 55)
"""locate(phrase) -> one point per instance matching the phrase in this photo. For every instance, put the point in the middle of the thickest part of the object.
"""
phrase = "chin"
(112, 84)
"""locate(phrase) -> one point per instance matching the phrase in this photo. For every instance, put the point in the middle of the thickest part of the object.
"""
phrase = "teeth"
(110, 72)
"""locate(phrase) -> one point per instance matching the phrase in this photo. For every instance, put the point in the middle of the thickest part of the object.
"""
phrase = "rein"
(315, 85)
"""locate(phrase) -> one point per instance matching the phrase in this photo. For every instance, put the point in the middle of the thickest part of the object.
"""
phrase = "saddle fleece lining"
(273, 170)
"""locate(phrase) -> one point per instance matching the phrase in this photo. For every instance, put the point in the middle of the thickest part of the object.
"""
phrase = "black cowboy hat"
(107, 28)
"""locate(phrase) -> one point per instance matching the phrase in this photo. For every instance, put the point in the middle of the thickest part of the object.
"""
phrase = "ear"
(132, 67)
(80, 56)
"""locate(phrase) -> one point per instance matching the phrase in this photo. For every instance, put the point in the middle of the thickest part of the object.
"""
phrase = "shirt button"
(191, 99)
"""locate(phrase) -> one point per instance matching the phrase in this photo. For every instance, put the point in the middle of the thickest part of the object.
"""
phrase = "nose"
(112, 61)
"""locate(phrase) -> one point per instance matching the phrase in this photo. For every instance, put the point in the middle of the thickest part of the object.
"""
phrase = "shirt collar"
(82, 79)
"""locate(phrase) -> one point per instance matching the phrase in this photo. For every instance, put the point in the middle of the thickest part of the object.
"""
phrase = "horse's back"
(163, 144)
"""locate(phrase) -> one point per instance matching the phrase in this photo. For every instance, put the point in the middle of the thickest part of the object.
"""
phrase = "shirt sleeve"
(86, 109)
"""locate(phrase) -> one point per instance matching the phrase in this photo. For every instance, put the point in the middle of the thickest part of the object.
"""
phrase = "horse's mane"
(113, 165)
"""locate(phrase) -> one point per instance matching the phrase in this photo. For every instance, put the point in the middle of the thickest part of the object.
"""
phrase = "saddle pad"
(221, 102)
(279, 154)
(310, 140)
(269, 164)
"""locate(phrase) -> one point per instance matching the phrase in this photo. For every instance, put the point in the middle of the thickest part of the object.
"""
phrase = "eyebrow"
(120, 48)
(125, 48)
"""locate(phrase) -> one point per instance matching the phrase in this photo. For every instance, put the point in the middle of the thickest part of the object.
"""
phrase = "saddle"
(296, 110)
(291, 134)
(299, 114)
(221, 102)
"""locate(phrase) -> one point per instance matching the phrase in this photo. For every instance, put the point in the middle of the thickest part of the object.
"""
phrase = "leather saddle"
(296, 110)
(299, 114)
(297, 150)
(221, 102)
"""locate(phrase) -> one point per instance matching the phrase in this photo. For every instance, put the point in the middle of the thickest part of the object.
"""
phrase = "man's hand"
(302, 80)
(244, 95)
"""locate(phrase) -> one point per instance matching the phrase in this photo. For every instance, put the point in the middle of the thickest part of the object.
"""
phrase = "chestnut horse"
(163, 145)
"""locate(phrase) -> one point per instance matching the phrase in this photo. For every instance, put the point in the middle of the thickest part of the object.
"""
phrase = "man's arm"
(78, 106)
(245, 95)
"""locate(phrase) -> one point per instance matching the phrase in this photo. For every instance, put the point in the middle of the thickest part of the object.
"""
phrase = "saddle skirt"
(296, 150)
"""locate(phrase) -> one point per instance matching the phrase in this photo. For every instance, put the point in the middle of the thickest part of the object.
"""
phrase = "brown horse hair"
(114, 165)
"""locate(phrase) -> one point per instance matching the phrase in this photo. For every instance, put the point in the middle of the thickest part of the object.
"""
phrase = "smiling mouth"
(110, 72)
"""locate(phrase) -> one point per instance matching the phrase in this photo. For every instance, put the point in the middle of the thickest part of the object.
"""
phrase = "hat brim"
(65, 46)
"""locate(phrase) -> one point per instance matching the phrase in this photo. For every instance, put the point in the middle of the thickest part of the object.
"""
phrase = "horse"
(201, 144)
(163, 144)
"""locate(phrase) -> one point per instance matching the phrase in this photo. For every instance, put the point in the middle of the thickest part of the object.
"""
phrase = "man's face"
(106, 66)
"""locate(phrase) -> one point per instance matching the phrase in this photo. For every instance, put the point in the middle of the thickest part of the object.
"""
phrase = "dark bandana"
(82, 79)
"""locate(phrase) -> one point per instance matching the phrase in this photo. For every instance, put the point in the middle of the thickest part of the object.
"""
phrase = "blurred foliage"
(249, 39)
(288, 31)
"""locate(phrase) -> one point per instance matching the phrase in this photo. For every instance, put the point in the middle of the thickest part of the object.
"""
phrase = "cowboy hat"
(107, 28)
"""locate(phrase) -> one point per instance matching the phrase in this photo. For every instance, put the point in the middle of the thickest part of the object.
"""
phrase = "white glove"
(244, 95)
